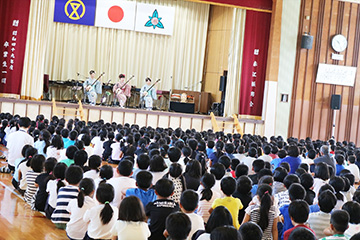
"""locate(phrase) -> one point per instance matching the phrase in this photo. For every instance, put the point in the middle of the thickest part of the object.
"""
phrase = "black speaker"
(307, 41)
(222, 86)
(335, 102)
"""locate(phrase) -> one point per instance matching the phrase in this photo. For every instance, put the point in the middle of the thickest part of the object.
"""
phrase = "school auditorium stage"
(141, 117)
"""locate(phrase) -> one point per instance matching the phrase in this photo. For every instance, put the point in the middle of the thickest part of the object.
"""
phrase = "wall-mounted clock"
(339, 43)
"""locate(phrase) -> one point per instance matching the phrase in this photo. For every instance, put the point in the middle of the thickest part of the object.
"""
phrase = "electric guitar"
(91, 87)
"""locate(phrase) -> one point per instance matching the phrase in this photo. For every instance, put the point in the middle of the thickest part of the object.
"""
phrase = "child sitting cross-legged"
(143, 191)
(299, 213)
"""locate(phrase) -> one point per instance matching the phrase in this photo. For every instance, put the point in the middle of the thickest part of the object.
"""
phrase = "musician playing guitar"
(148, 94)
(122, 90)
(93, 87)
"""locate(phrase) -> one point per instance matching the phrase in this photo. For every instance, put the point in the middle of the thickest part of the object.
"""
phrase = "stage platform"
(128, 115)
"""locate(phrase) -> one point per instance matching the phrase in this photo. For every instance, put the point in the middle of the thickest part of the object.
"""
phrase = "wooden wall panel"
(310, 114)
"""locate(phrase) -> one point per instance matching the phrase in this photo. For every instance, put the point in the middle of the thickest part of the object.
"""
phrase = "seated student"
(176, 176)
(234, 163)
(262, 175)
(240, 153)
(257, 165)
(70, 152)
(37, 166)
(21, 166)
(102, 217)
(80, 159)
(263, 213)
(265, 156)
(283, 197)
(55, 148)
(353, 168)
(225, 160)
(301, 234)
(73, 175)
(353, 208)
(243, 192)
(142, 163)
(248, 161)
(293, 158)
(228, 186)
(87, 141)
(43, 142)
(174, 154)
(177, 226)
(106, 172)
(279, 175)
(65, 135)
(241, 170)
(285, 165)
(339, 222)
(192, 174)
(107, 147)
(250, 230)
(161, 208)
(299, 213)
(340, 159)
(98, 142)
(94, 165)
(321, 177)
(41, 181)
(132, 221)
(307, 181)
(296, 192)
(229, 150)
(225, 232)
(318, 221)
(76, 227)
(276, 162)
(219, 171)
(188, 204)
(116, 150)
(210, 147)
(123, 182)
(72, 139)
(143, 191)
(338, 184)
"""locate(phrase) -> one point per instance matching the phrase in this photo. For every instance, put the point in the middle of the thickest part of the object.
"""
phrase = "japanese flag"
(115, 14)
(154, 19)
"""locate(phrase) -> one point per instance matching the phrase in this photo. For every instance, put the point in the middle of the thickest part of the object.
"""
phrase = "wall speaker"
(335, 102)
(222, 86)
(307, 41)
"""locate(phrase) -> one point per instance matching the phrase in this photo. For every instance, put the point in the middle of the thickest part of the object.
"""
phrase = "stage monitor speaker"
(335, 102)
(307, 41)
(222, 86)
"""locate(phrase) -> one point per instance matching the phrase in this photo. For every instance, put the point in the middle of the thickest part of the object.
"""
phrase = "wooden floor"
(18, 221)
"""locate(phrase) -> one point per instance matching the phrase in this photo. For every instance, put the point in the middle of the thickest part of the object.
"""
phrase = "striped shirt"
(60, 214)
(336, 237)
(30, 189)
(318, 221)
(254, 212)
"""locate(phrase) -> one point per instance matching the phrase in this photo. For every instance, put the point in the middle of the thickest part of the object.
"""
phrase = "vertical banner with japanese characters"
(14, 17)
(256, 42)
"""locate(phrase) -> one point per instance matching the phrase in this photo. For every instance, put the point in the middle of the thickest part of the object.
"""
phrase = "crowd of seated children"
(175, 184)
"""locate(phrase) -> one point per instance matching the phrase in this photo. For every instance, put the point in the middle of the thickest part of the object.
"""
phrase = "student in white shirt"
(101, 218)
(55, 148)
(132, 221)
(76, 228)
(25, 167)
(354, 169)
(122, 183)
(16, 141)
(94, 164)
(98, 142)
(116, 149)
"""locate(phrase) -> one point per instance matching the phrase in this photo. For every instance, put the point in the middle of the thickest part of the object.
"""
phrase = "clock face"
(339, 43)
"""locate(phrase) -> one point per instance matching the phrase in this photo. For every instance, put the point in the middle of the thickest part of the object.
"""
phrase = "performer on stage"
(122, 91)
(147, 95)
(92, 89)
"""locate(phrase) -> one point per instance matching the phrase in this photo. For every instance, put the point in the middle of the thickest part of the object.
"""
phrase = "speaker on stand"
(335, 104)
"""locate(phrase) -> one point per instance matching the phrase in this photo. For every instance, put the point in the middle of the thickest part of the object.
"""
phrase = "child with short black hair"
(234, 163)
(106, 172)
(107, 147)
(307, 181)
(178, 226)
(174, 154)
(70, 152)
(94, 165)
(302, 234)
(101, 218)
(318, 221)
(241, 170)
(299, 213)
(225, 160)
(143, 163)
(158, 210)
(339, 222)
(283, 197)
(76, 227)
(250, 230)
(228, 187)
(219, 171)
(132, 221)
(279, 175)
(123, 182)
(353, 208)
(72, 139)
(257, 165)
(143, 190)
(41, 181)
(73, 175)
(188, 204)
(80, 159)
(243, 192)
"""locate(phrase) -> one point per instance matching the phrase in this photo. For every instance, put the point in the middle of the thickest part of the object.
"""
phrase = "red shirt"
(288, 232)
